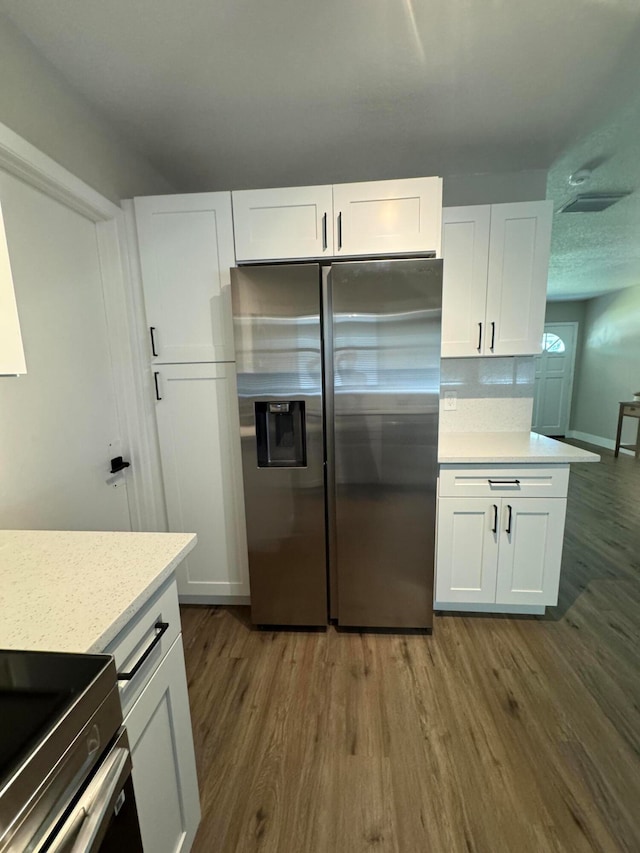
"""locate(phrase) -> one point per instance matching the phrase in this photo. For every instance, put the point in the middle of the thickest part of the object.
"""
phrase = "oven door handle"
(89, 818)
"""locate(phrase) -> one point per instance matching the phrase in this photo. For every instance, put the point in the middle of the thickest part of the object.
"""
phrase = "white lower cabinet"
(199, 432)
(164, 769)
(499, 550)
(155, 706)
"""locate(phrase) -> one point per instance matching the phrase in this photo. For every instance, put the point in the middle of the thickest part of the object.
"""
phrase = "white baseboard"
(598, 440)
(214, 599)
(514, 609)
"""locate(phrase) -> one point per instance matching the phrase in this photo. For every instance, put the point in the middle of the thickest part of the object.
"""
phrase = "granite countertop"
(507, 447)
(74, 591)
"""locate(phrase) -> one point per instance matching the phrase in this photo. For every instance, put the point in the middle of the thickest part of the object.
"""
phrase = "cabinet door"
(467, 551)
(200, 450)
(286, 223)
(186, 252)
(388, 217)
(164, 767)
(532, 531)
(11, 352)
(465, 250)
(519, 246)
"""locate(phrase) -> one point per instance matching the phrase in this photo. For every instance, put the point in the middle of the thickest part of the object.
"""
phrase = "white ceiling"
(226, 94)
(222, 94)
(594, 253)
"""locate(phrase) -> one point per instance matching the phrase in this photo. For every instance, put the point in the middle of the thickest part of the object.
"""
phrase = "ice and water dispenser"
(280, 434)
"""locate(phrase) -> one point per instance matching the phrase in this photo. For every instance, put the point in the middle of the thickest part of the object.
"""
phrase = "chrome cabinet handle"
(153, 341)
(324, 231)
(510, 517)
(479, 336)
(340, 230)
(161, 628)
(493, 335)
(494, 529)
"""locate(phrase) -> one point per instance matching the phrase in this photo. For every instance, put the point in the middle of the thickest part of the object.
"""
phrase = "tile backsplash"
(493, 394)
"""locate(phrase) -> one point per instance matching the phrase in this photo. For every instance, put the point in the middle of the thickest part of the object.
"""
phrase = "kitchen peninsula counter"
(73, 591)
(497, 448)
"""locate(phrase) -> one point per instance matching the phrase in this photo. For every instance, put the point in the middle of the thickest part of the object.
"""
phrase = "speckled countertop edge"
(74, 591)
(508, 448)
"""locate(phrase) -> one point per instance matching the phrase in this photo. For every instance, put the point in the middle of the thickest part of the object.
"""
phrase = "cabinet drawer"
(632, 411)
(134, 640)
(542, 481)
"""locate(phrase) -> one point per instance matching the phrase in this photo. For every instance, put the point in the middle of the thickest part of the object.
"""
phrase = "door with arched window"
(554, 379)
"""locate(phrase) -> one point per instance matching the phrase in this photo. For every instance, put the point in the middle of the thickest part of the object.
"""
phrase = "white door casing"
(555, 369)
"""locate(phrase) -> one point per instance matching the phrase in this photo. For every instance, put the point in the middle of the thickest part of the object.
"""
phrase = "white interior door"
(554, 379)
(59, 423)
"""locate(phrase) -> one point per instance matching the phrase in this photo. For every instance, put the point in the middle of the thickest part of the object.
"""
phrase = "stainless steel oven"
(65, 765)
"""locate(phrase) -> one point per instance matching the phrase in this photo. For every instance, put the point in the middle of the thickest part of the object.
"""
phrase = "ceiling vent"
(592, 202)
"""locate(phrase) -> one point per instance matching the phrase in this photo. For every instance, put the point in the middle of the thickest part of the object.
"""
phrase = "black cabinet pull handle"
(493, 335)
(118, 464)
(340, 230)
(161, 628)
(479, 336)
(503, 482)
(324, 231)
(156, 373)
(494, 529)
(153, 341)
(510, 508)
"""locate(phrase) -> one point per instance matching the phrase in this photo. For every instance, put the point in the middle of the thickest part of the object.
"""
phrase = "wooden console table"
(628, 410)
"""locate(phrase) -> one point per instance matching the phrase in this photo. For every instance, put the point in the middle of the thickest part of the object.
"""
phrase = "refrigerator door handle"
(329, 437)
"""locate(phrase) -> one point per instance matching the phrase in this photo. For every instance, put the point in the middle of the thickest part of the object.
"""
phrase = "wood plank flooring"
(493, 734)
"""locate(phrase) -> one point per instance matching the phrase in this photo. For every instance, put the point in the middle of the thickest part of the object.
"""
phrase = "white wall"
(610, 364)
(36, 103)
(497, 188)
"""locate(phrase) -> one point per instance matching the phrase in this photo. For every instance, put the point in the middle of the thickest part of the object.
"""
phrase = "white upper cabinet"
(11, 351)
(291, 222)
(465, 248)
(388, 217)
(186, 252)
(350, 220)
(496, 260)
(519, 247)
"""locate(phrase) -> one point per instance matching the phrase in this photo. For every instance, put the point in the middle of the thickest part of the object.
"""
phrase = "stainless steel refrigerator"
(338, 386)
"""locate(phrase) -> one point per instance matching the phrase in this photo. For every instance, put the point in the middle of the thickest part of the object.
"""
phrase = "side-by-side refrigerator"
(338, 383)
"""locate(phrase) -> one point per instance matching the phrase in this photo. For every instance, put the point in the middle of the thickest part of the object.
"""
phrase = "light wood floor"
(493, 734)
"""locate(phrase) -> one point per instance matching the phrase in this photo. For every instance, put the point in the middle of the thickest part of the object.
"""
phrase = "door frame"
(26, 162)
(576, 326)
